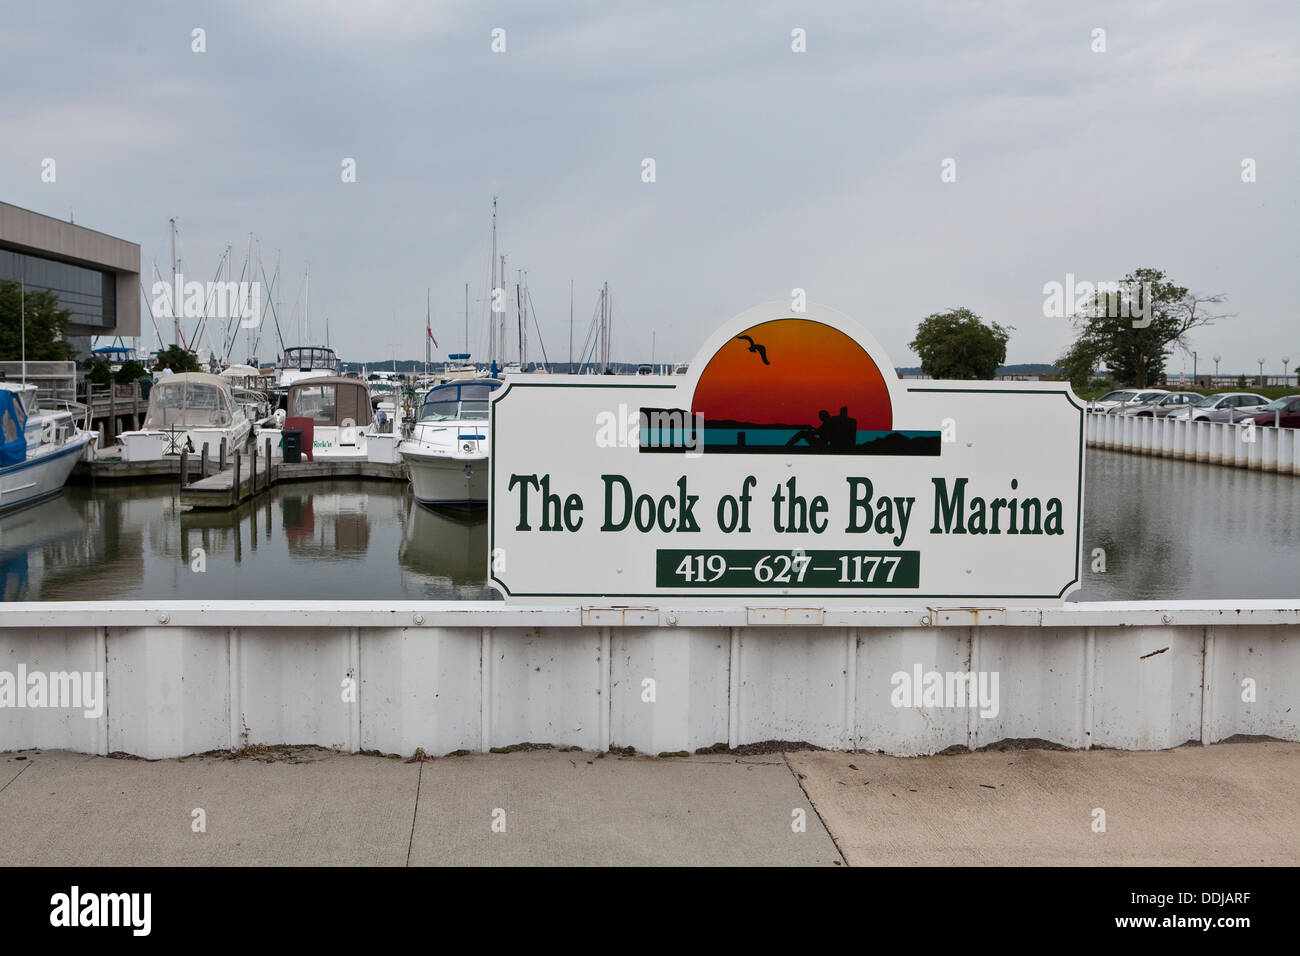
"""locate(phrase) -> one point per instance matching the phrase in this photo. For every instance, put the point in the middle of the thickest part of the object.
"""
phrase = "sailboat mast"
(519, 320)
(570, 325)
(501, 331)
(467, 319)
(176, 311)
(492, 291)
(427, 327)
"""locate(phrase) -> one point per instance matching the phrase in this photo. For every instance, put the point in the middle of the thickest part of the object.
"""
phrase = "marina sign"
(788, 464)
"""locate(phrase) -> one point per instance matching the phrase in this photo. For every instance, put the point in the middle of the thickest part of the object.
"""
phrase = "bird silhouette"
(755, 347)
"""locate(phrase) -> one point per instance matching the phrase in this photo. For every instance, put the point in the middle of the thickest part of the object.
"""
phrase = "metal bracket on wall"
(620, 616)
(807, 616)
(967, 616)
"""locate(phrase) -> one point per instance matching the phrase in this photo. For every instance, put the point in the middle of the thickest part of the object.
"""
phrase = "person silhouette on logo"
(835, 433)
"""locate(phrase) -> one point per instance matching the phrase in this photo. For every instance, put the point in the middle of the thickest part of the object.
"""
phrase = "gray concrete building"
(95, 276)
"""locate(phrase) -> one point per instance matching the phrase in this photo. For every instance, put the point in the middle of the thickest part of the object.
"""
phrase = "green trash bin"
(292, 441)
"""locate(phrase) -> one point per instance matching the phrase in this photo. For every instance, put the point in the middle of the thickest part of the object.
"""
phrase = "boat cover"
(13, 429)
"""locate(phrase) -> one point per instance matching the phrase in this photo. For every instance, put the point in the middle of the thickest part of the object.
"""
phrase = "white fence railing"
(1221, 443)
(188, 677)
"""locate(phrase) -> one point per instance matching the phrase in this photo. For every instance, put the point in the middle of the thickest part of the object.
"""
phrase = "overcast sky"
(774, 169)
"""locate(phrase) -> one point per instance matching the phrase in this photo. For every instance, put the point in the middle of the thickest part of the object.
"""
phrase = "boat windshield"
(451, 402)
(305, 359)
(186, 404)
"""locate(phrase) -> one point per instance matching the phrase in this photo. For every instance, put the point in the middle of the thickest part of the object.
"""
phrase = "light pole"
(1193, 368)
(1286, 360)
(1217, 359)
(1261, 373)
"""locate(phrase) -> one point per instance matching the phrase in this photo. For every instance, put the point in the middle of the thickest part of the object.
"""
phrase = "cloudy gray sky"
(775, 169)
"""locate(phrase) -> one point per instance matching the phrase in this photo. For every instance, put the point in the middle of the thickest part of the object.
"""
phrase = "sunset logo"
(789, 386)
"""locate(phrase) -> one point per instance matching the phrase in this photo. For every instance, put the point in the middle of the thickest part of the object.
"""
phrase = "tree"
(99, 372)
(131, 371)
(178, 359)
(957, 344)
(47, 325)
(1134, 327)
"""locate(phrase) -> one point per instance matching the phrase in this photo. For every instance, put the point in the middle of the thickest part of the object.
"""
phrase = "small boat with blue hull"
(38, 449)
(447, 452)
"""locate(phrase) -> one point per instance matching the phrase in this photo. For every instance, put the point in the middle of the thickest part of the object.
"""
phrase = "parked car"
(1143, 397)
(1285, 412)
(1225, 407)
(1111, 399)
(1162, 406)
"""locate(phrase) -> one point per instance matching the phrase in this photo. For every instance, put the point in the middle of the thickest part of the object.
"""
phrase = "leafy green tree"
(130, 372)
(179, 359)
(47, 325)
(958, 344)
(99, 371)
(1133, 330)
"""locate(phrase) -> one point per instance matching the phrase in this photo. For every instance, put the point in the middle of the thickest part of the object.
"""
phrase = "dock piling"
(203, 462)
(185, 465)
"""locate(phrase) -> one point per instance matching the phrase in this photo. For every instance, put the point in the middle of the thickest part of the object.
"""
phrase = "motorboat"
(306, 361)
(186, 412)
(338, 422)
(447, 452)
(38, 449)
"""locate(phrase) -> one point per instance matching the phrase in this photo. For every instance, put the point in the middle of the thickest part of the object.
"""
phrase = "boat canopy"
(190, 400)
(453, 400)
(304, 358)
(13, 428)
(239, 371)
(330, 400)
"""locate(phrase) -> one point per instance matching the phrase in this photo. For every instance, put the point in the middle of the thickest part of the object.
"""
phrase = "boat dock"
(226, 481)
(246, 477)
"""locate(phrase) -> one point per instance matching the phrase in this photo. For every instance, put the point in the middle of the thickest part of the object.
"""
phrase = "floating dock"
(229, 481)
(246, 477)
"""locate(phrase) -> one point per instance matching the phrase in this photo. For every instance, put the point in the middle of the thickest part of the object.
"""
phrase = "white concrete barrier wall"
(188, 677)
(1222, 443)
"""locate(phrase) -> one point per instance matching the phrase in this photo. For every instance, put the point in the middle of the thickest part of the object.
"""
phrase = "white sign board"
(788, 465)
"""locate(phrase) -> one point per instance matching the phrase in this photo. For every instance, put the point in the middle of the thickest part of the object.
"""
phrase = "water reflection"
(1169, 529)
(1176, 529)
(450, 547)
(342, 540)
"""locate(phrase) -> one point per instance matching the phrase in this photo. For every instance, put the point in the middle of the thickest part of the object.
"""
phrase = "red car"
(1284, 411)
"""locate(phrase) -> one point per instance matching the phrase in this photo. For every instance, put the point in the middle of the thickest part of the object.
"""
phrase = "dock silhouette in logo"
(787, 387)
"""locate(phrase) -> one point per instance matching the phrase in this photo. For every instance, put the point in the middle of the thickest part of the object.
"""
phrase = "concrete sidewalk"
(1227, 804)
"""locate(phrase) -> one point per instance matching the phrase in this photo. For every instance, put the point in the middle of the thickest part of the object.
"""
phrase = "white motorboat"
(447, 453)
(306, 361)
(38, 449)
(186, 412)
(337, 413)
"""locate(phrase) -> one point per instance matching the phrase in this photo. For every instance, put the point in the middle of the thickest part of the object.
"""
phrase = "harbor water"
(1166, 529)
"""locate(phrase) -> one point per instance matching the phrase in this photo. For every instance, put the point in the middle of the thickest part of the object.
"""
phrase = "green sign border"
(760, 594)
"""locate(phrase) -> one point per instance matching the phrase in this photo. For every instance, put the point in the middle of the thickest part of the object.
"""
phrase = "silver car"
(1112, 399)
(1225, 407)
(1162, 406)
(1140, 397)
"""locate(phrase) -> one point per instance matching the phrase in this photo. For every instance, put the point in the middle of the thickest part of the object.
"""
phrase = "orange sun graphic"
(795, 369)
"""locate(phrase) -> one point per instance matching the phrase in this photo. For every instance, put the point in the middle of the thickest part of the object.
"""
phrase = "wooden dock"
(245, 477)
(210, 482)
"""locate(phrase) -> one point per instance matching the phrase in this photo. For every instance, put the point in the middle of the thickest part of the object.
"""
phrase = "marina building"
(95, 276)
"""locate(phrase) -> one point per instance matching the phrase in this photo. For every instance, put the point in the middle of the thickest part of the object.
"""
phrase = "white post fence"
(1218, 443)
